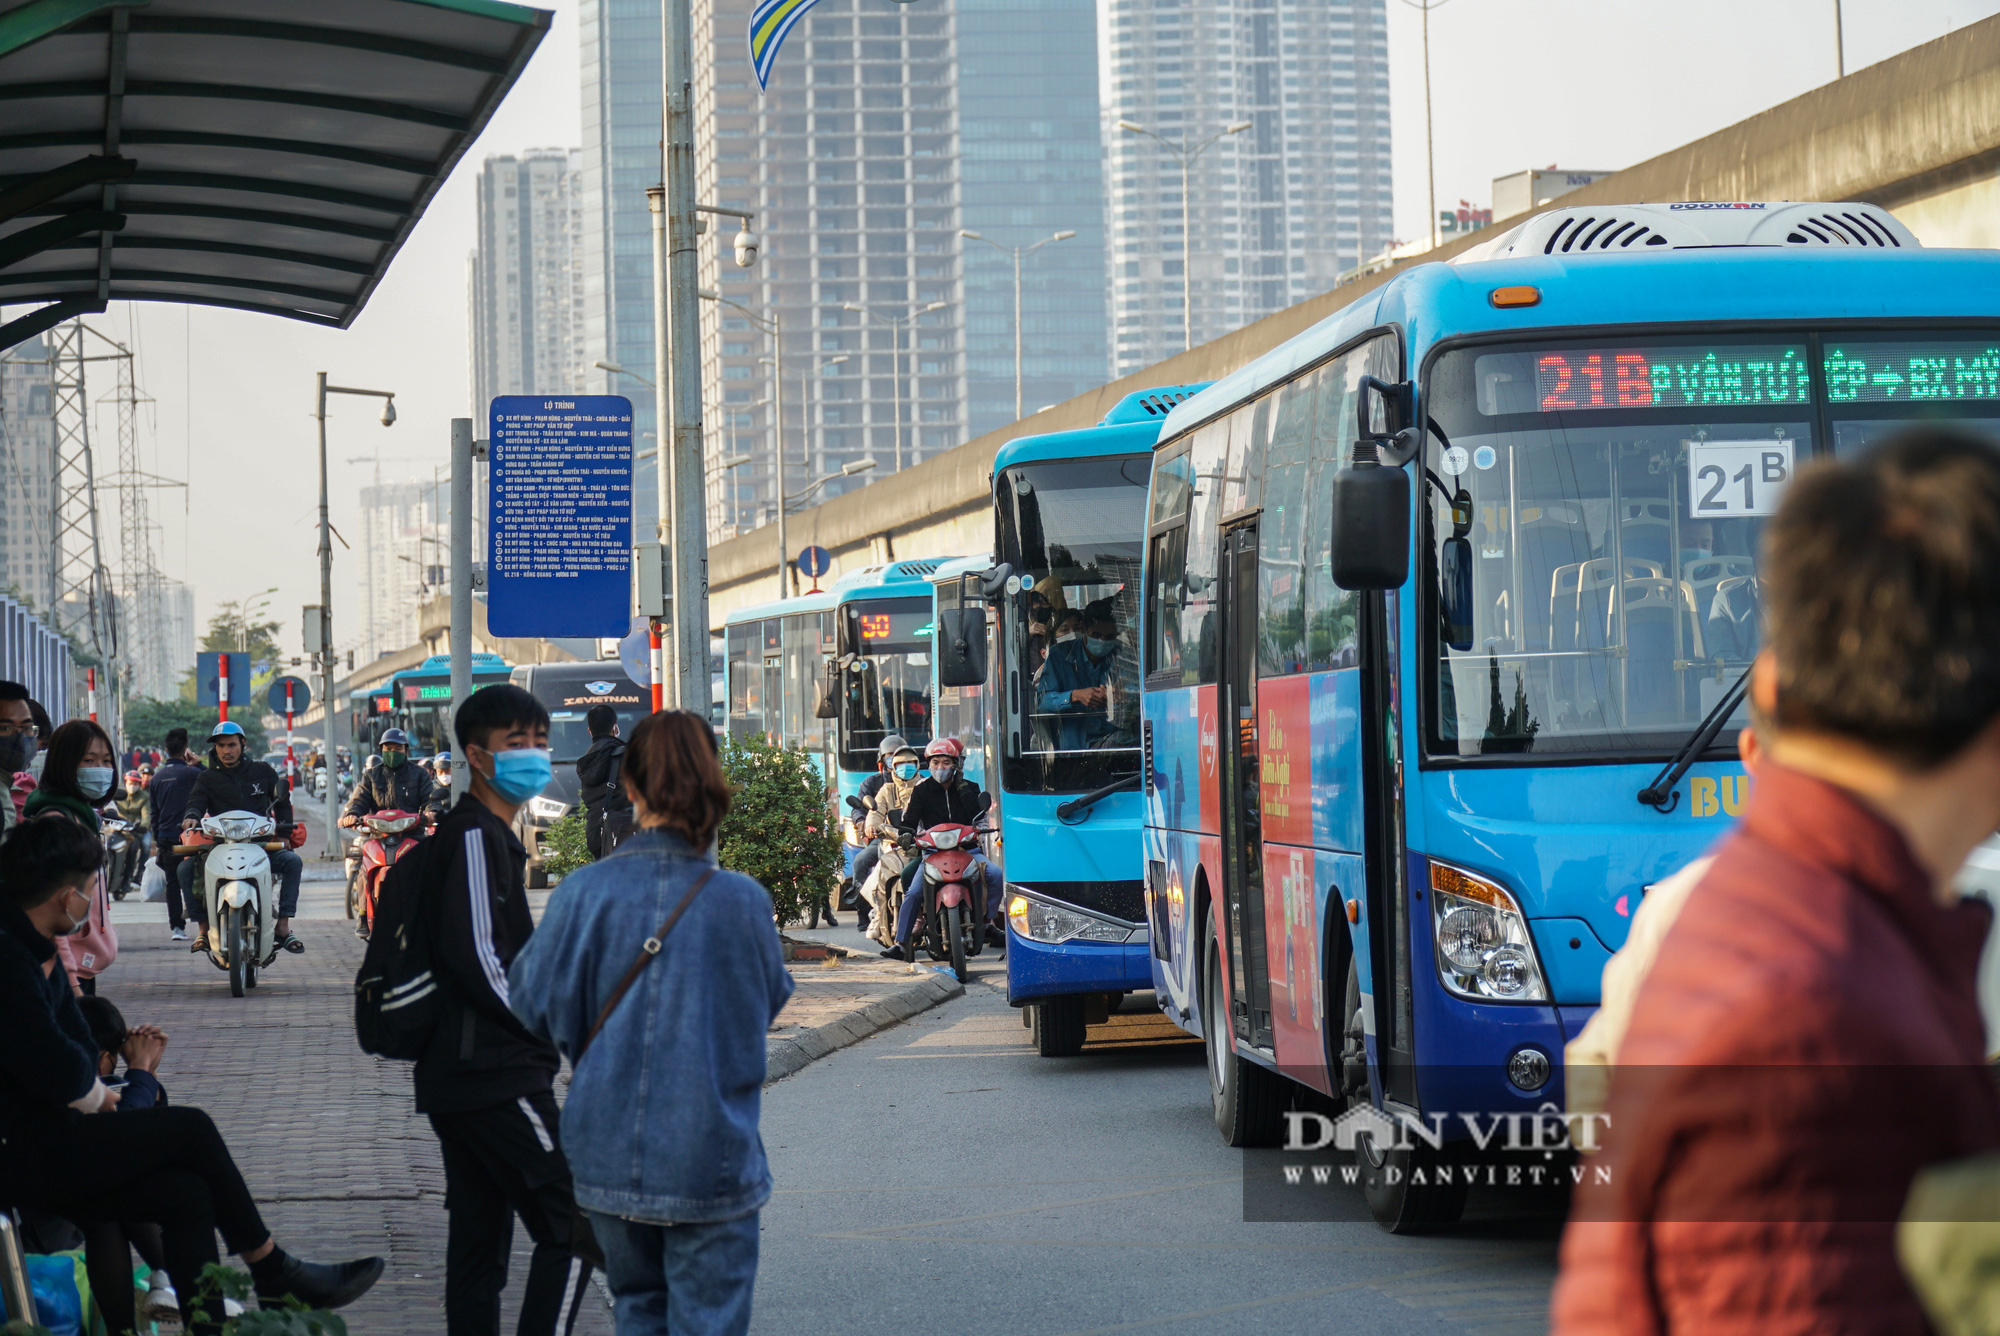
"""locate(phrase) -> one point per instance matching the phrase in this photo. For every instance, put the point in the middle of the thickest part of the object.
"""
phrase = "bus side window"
(1207, 460)
(1166, 600)
(1281, 638)
(1332, 612)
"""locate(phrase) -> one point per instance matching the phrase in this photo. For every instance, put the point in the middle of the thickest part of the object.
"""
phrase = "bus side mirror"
(829, 693)
(1455, 592)
(960, 644)
(1371, 523)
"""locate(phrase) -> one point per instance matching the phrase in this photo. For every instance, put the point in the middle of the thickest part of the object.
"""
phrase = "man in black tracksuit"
(486, 1084)
(232, 782)
(597, 776)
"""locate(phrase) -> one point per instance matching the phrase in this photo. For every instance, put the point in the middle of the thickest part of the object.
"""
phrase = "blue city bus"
(369, 716)
(420, 700)
(1070, 520)
(835, 672)
(1447, 600)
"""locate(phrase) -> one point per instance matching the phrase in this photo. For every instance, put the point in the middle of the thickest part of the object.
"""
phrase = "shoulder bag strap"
(646, 954)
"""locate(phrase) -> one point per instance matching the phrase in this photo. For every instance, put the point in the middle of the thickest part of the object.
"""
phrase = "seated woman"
(165, 1166)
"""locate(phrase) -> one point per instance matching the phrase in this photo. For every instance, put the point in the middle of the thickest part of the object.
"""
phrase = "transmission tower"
(79, 585)
(143, 640)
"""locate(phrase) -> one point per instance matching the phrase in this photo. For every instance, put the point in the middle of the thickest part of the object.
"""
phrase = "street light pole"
(896, 326)
(1187, 158)
(1019, 253)
(327, 657)
(1430, 151)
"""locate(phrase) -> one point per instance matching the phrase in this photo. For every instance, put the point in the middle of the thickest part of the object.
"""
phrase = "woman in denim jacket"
(660, 1127)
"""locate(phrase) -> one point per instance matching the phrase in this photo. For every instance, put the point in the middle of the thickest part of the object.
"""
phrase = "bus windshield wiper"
(1095, 796)
(1661, 793)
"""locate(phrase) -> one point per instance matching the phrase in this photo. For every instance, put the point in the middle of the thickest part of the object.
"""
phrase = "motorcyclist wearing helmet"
(944, 796)
(232, 782)
(905, 770)
(864, 862)
(394, 785)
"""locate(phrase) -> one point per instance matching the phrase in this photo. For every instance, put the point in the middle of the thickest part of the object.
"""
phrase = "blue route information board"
(559, 508)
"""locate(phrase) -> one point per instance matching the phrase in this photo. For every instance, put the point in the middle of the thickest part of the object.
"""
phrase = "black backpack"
(396, 999)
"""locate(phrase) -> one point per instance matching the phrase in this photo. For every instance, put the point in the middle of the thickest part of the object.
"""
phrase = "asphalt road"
(941, 1175)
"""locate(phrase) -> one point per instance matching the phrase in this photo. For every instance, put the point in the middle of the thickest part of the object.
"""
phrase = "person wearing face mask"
(1072, 686)
(77, 780)
(886, 806)
(26, 780)
(232, 782)
(485, 1081)
(942, 797)
(395, 785)
(18, 743)
(168, 1167)
(864, 862)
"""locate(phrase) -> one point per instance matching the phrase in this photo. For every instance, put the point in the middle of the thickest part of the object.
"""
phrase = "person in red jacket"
(1810, 1036)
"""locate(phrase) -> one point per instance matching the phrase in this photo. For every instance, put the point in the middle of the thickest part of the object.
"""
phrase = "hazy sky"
(1516, 83)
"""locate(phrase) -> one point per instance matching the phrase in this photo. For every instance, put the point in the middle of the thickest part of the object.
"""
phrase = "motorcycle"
(237, 887)
(124, 854)
(388, 839)
(952, 922)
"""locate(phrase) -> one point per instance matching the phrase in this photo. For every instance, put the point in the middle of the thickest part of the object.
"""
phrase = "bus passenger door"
(1242, 853)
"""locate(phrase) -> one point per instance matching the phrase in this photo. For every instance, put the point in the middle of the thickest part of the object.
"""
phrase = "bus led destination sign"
(1930, 372)
(1669, 377)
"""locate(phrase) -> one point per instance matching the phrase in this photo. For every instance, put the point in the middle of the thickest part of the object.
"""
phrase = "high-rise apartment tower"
(1274, 213)
(527, 277)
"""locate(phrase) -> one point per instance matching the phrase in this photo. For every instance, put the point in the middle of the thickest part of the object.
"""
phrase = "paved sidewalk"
(325, 1134)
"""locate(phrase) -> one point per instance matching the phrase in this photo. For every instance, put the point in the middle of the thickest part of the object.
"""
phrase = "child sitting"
(105, 1245)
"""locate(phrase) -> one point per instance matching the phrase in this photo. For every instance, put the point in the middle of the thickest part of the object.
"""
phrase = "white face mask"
(1065, 637)
(94, 781)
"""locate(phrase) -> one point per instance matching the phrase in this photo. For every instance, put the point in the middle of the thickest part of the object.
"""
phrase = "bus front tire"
(1399, 1203)
(1058, 1026)
(1250, 1101)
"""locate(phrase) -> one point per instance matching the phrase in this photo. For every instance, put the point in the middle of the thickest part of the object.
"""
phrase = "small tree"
(779, 828)
(565, 846)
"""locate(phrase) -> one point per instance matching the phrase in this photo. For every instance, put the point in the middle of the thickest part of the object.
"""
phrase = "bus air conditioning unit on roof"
(1628, 229)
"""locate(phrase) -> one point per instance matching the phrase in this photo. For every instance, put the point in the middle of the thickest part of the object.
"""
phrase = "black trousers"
(168, 1167)
(500, 1162)
(176, 911)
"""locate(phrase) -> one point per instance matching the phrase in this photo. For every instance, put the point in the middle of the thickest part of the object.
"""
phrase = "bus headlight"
(854, 836)
(1483, 947)
(1043, 921)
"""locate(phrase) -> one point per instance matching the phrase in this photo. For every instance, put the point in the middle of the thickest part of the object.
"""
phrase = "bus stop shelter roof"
(263, 155)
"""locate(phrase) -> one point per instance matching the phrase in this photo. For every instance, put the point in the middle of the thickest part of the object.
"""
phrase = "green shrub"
(780, 828)
(563, 847)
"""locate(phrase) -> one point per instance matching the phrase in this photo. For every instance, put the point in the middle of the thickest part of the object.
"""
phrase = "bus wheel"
(1058, 1026)
(1410, 1190)
(1249, 1101)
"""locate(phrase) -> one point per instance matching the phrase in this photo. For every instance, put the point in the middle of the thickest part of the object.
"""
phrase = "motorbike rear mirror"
(856, 803)
(960, 644)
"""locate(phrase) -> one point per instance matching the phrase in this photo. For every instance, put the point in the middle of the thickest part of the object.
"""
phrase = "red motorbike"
(389, 837)
(953, 922)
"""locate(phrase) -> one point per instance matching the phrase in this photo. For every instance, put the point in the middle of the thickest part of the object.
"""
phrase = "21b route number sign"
(1727, 479)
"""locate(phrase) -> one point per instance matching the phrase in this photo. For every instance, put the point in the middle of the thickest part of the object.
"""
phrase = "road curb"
(786, 1054)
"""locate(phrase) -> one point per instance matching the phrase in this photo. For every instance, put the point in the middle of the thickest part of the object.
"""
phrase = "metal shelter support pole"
(461, 590)
(778, 421)
(326, 659)
(689, 533)
(663, 477)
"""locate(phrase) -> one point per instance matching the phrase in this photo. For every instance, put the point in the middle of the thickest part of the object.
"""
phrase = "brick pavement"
(326, 1136)
(339, 1163)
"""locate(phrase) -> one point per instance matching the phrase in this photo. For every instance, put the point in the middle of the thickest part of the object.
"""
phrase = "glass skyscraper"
(620, 48)
(1030, 165)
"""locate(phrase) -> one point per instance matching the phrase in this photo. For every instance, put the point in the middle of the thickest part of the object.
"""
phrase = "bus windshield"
(1616, 494)
(885, 664)
(1072, 530)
